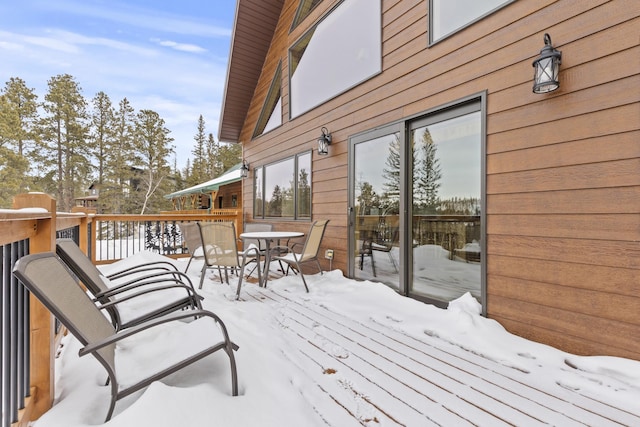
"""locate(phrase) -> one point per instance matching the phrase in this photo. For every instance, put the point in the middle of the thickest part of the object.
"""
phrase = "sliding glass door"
(416, 204)
(446, 205)
(375, 205)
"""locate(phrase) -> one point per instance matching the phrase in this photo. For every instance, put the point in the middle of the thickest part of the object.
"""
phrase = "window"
(447, 16)
(283, 189)
(271, 114)
(341, 51)
(304, 9)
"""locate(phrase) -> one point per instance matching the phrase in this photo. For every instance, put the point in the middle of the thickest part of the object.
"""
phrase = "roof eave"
(247, 53)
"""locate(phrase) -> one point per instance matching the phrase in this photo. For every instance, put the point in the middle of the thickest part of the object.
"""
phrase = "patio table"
(268, 237)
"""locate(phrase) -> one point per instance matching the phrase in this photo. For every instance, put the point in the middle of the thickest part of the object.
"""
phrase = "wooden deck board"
(381, 375)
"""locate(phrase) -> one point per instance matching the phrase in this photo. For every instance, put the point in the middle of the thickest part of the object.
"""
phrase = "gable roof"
(230, 176)
(253, 28)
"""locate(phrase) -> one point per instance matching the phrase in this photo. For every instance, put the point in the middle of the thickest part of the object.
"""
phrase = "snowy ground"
(275, 389)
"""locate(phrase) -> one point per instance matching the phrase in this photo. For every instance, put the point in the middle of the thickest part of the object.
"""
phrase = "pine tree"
(229, 155)
(390, 202)
(102, 131)
(212, 155)
(65, 154)
(18, 115)
(118, 165)
(426, 175)
(152, 146)
(198, 168)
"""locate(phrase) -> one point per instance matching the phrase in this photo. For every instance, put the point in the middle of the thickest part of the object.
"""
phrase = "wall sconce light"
(324, 142)
(244, 169)
(547, 67)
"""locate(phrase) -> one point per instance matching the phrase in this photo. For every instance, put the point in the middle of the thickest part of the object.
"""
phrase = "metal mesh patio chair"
(191, 237)
(132, 285)
(46, 276)
(220, 249)
(372, 242)
(308, 253)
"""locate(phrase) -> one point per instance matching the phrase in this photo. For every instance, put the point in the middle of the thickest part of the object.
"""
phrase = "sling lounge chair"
(309, 252)
(48, 279)
(133, 288)
(221, 250)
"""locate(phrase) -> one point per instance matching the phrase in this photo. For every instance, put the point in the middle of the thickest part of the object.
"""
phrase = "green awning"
(230, 176)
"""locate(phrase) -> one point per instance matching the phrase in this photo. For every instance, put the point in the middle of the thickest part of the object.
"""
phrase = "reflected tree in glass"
(304, 194)
(391, 173)
(426, 175)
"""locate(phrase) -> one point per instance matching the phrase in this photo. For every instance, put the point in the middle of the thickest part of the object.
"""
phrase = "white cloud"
(184, 47)
(178, 77)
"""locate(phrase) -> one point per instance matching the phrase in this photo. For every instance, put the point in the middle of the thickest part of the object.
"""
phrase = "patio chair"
(372, 243)
(308, 253)
(259, 243)
(192, 239)
(221, 250)
(46, 276)
(132, 285)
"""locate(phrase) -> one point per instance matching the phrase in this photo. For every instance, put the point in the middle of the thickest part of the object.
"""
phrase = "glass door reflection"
(446, 207)
(376, 199)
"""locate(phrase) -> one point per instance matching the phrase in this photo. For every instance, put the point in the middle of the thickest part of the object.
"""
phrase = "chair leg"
(114, 397)
(188, 263)
(241, 274)
(393, 262)
(239, 282)
(373, 265)
(302, 275)
(202, 273)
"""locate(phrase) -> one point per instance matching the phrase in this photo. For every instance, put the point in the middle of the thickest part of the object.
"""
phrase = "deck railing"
(29, 333)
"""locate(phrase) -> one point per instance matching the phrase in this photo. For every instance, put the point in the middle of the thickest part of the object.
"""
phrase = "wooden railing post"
(42, 322)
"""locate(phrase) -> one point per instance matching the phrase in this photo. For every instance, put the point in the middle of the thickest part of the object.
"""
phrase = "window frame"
(259, 175)
(445, 36)
(293, 61)
(268, 107)
(302, 12)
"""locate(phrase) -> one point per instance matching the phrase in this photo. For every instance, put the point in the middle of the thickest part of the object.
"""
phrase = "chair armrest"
(175, 276)
(158, 284)
(153, 323)
(156, 265)
(127, 297)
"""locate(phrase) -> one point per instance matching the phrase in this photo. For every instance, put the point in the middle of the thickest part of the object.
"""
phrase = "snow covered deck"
(353, 353)
(380, 375)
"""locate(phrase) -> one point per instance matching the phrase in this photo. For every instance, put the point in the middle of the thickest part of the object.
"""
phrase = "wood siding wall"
(227, 192)
(563, 169)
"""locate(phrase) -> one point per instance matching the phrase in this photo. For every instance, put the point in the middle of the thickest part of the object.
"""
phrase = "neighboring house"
(446, 174)
(222, 192)
(90, 201)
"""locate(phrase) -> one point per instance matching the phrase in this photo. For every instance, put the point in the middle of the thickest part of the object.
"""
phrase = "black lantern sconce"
(324, 142)
(244, 169)
(547, 68)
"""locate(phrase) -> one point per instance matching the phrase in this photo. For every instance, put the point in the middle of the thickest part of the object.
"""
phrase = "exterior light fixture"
(244, 169)
(324, 141)
(547, 67)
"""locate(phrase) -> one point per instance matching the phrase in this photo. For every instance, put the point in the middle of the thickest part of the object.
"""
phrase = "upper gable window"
(304, 9)
(448, 16)
(271, 114)
(339, 52)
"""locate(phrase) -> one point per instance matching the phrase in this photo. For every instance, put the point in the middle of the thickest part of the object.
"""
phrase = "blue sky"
(166, 56)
